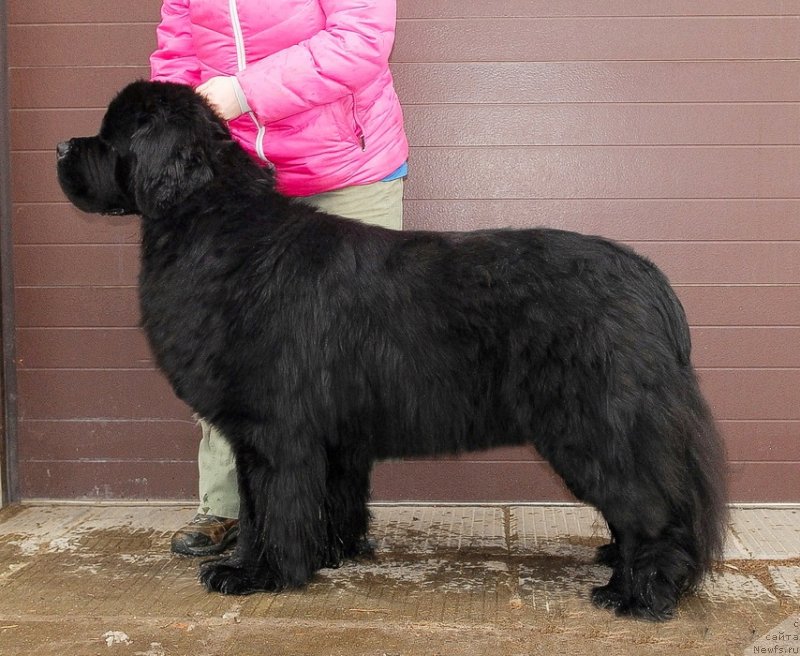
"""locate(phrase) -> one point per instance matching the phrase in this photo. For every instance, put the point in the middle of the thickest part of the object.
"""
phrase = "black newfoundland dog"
(319, 345)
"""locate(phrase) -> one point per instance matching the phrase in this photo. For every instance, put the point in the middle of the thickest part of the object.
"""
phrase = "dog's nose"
(62, 149)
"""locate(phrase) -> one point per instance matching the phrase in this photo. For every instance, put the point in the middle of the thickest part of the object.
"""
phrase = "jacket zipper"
(237, 35)
(241, 62)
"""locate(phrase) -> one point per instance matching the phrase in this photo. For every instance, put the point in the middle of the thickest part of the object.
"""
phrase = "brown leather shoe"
(205, 535)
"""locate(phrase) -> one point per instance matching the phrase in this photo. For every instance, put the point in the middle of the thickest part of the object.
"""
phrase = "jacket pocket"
(344, 114)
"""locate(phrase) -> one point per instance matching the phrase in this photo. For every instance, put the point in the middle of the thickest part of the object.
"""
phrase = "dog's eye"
(112, 145)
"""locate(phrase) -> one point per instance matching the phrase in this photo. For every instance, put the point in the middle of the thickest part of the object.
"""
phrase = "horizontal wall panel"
(683, 262)
(458, 481)
(726, 263)
(439, 481)
(83, 348)
(525, 453)
(746, 441)
(731, 346)
(113, 11)
(599, 124)
(93, 440)
(429, 480)
(604, 172)
(762, 441)
(62, 223)
(766, 394)
(721, 305)
(146, 479)
(84, 264)
(43, 129)
(69, 439)
(476, 39)
(519, 124)
(461, 9)
(82, 11)
(549, 172)
(772, 394)
(84, 87)
(632, 220)
(776, 482)
(606, 39)
(112, 44)
(21, 12)
(622, 219)
(436, 481)
(87, 307)
(97, 394)
(617, 82)
(714, 305)
(34, 177)
(483, 83)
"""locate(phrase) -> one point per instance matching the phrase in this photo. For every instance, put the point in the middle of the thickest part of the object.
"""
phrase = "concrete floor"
(448, 580)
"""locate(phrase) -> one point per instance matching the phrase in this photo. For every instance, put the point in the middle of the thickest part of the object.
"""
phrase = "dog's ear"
(172, 161)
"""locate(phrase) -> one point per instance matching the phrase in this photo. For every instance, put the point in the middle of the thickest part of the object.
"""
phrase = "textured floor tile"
(732, 586)
(551, 585)
(787, 580)
(768, 534)
(557, 530)
(424, 529)
(455, 580)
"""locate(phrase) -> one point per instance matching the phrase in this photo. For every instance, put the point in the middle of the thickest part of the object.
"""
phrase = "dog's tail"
(702, 501)
(689, 464)
(706, 497)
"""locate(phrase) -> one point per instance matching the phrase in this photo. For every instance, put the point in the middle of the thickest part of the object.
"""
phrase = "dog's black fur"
(319, 345)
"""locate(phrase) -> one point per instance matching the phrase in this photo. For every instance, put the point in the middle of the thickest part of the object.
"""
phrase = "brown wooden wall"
(673, 126)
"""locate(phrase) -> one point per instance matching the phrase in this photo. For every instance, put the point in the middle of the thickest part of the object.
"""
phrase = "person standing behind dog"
(305, 87)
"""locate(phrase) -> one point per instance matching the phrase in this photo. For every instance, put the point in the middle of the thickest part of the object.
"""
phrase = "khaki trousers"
(379, 203)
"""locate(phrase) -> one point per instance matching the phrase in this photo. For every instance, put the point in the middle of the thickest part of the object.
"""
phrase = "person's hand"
(221, 95)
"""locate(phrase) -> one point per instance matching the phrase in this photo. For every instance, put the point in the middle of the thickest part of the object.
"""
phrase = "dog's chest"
(183, 302)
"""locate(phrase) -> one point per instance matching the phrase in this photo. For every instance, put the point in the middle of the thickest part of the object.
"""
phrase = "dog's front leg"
(282, 523)
(346, 497)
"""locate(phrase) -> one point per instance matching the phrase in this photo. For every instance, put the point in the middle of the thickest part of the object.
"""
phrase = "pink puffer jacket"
(315, 73)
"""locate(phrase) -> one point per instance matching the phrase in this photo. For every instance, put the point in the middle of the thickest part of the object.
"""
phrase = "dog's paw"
(652, 610)
(643, 611)
(607, 596)
(363, 549)
(232, 577)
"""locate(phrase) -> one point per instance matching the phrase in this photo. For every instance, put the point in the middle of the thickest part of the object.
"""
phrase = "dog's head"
(156, 147)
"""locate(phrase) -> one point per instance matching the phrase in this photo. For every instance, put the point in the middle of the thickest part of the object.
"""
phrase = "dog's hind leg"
(637, 516)
(659, 482)
(668, 513)
(282, 515)
(649, 575)
(651, 572)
